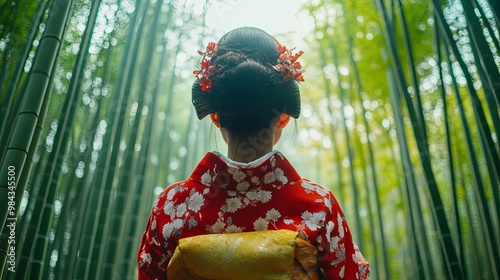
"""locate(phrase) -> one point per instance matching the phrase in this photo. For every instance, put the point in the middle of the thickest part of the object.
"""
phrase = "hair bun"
(245, 82)
(245, 87)
(229, 60)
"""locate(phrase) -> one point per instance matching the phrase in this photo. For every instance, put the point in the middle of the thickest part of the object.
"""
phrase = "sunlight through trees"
(400, 118)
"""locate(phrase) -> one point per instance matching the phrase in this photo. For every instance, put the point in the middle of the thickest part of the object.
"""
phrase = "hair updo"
(247, 92)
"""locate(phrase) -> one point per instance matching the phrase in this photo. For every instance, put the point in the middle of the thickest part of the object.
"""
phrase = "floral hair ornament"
(288, 66)
(207, 69)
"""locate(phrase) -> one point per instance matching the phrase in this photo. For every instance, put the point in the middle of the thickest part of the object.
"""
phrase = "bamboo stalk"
(338, 177)
(471, 154)
(354, 189)
(122, 193)
(83, 187)
(416, 100)
(24, 129)
(489, 74)
(6, 110)
(487, 143)
(417, 231)
(443, 229)
(52, 173)
(454, 187)
(378, 206)
(100, 195)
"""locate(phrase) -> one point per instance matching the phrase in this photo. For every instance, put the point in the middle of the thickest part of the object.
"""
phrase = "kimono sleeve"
(154, 251)
(338, 256)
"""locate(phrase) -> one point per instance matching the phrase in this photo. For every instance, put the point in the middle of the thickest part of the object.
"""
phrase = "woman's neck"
(249, 149)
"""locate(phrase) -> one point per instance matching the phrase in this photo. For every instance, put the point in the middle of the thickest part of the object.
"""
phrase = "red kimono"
(223, 196)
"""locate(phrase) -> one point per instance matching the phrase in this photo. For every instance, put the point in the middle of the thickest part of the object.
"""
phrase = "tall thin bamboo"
(143, 199)
(194, 152)
(452, 176)
(123, 189)
(73, 193)
(61, 220)
(489, 75)
(477, 180)
(378, 205)
(100, 190)
(169, 120)
(355, 196)
(495, 8)
(185, 168)
(474, 268)
(24, 129)
(410, 257)
(32, 187)
(127, 234)
(24, 224)
(122, 267)
(15, 79)
(418, 235)
(338, 177)
(487, 143)
(12, 29)
(416, 101)
(28, 165)
(374, 240)
(84, 186)
(451, 260)
(488, 26)
(51, 177)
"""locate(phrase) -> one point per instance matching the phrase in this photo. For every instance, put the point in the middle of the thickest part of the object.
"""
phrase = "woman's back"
(248, 85)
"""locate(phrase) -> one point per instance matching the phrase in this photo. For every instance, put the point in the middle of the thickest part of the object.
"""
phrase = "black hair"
(247, 92)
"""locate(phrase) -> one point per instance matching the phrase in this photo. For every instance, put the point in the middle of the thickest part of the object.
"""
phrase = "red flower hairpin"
(206, 69)
(288, 66)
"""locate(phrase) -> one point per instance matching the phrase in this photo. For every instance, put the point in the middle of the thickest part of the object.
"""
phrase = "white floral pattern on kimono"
(222, 196)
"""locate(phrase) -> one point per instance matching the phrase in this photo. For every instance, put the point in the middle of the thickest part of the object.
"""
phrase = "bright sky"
(274, 16)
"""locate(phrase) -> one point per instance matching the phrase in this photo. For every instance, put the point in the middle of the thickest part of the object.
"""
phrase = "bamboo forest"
(400, 119)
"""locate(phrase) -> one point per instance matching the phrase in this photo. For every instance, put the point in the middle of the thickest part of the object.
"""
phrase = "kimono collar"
(216, 170)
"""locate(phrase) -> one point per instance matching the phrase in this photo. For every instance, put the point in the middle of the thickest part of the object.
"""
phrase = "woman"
(248, 84)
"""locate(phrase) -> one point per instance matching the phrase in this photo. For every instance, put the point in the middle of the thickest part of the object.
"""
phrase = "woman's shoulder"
(178, 192)
(311, 187)
(318, 193)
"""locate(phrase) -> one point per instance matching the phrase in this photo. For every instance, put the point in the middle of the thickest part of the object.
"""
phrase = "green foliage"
(400, 119)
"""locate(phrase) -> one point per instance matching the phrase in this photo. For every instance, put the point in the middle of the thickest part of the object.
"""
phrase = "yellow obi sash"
(272, 254)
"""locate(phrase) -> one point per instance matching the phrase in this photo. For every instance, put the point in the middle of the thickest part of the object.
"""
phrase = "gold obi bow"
(272, 254)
